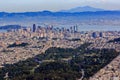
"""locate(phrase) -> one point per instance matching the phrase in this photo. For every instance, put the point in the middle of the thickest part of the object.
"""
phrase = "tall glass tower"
(34, 27)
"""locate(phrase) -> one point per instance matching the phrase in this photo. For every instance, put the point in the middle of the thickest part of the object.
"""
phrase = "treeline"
(9, 27)
(114, 40)
(17, 45)
(60, 64)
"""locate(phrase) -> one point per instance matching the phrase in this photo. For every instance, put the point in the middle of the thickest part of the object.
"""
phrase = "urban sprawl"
(38, 39)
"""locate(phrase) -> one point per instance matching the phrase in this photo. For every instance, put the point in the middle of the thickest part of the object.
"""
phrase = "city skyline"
(55, 5)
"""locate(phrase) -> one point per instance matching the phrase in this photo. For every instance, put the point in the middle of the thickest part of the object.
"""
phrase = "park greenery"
(117, 40)
(60, 64)
(17, 45)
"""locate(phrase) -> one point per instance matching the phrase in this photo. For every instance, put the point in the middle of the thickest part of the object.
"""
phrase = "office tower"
(100, 34)
(51, 27)
(74, 27)
(63, 29)
(34, 27)
(94, 35)
(71, 30)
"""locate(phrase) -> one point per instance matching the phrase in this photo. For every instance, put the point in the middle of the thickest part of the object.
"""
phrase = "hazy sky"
(55, 5)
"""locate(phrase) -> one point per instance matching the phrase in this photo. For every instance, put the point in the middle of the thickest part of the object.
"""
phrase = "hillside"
(83, 9)
(80, 18)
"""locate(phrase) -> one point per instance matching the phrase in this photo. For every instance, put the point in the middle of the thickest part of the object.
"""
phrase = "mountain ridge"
(72, 10)
(83, 9)
(49, 13)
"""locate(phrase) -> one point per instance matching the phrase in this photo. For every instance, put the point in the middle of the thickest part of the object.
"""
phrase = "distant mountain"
(83, 9)
(57, 14)
(80, 18)
(8, 27)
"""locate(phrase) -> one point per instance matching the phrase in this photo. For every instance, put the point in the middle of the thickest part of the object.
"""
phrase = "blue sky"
(54, 5)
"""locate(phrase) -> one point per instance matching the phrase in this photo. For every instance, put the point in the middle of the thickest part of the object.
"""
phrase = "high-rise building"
(94, 35)
(34, 27)
(71, 29)
(101, 34)
(74, 28)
